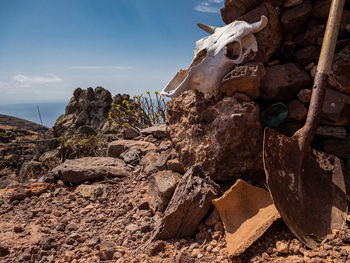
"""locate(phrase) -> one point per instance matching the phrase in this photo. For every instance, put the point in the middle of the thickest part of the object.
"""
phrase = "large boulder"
(90, 169)
(283, 81)
(224, 137)
(188, 206)
(86, 107)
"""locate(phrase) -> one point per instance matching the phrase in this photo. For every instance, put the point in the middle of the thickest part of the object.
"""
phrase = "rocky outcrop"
(17, 143)
(225, 138)
(90, 169)
(189, 204)
(87, 107)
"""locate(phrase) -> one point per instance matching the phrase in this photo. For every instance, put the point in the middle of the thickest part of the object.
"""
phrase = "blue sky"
(50, 47)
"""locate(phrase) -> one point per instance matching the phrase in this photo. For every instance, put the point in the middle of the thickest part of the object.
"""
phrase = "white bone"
(210, 62)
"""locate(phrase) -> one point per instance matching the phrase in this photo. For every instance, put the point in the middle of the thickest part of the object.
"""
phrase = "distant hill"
(7, 120)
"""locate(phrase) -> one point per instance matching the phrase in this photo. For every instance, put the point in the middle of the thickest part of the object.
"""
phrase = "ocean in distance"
(49, 111)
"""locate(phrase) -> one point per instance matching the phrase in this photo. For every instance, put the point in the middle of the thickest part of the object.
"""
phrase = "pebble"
(93, 241)
(195, 252)
(72, 227)
(282, 247)
(216, 235)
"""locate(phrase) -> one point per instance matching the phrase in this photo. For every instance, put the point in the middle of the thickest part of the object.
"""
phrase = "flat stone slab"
(158, 131)
(90, 169)
(247, 212)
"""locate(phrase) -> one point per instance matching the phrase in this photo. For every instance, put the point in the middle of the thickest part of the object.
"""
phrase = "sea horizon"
(49, 111)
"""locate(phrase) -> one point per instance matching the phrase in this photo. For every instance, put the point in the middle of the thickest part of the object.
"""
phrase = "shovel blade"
(309, 191)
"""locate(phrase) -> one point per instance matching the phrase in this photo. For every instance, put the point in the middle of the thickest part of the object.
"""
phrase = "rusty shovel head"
(308, 189)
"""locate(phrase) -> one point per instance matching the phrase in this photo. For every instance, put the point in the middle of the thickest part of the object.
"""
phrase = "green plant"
(78, 146)
(3, 134)
(140, 112)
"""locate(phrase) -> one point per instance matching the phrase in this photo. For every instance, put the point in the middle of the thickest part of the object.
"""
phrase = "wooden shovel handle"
(330, 37)
(305, 135)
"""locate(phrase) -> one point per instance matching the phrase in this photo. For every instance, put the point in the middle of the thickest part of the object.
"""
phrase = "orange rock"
(244, 79)
(20, 192)
(247, 212)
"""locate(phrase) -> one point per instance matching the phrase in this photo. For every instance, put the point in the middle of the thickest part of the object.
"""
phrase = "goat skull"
(210, 61)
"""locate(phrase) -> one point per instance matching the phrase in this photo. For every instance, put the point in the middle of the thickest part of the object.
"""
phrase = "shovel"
(306, 185)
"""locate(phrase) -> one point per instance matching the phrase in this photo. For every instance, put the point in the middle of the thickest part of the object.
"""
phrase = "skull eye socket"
(198, 59)
(233, 50)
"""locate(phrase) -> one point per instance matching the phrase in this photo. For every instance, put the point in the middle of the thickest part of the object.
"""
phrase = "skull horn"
(206, 28)
(260, 25)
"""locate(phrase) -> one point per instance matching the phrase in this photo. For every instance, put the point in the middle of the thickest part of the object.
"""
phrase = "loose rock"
(245, 79)
(189, 204)
(162, 187)
(90, 169)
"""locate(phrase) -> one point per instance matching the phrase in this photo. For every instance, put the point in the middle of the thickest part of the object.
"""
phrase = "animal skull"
(210, 61)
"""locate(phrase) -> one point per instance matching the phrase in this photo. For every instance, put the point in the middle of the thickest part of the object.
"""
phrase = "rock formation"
(87, 107)
(150, 200)
(224, 137)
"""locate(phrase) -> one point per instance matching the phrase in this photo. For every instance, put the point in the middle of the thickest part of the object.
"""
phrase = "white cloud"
(28, 81)
(4, 85)
(209, 6)
(99, 67)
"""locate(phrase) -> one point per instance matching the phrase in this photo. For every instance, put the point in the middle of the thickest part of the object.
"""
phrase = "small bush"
(140, 112)
(78, 146)
(3, 134)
